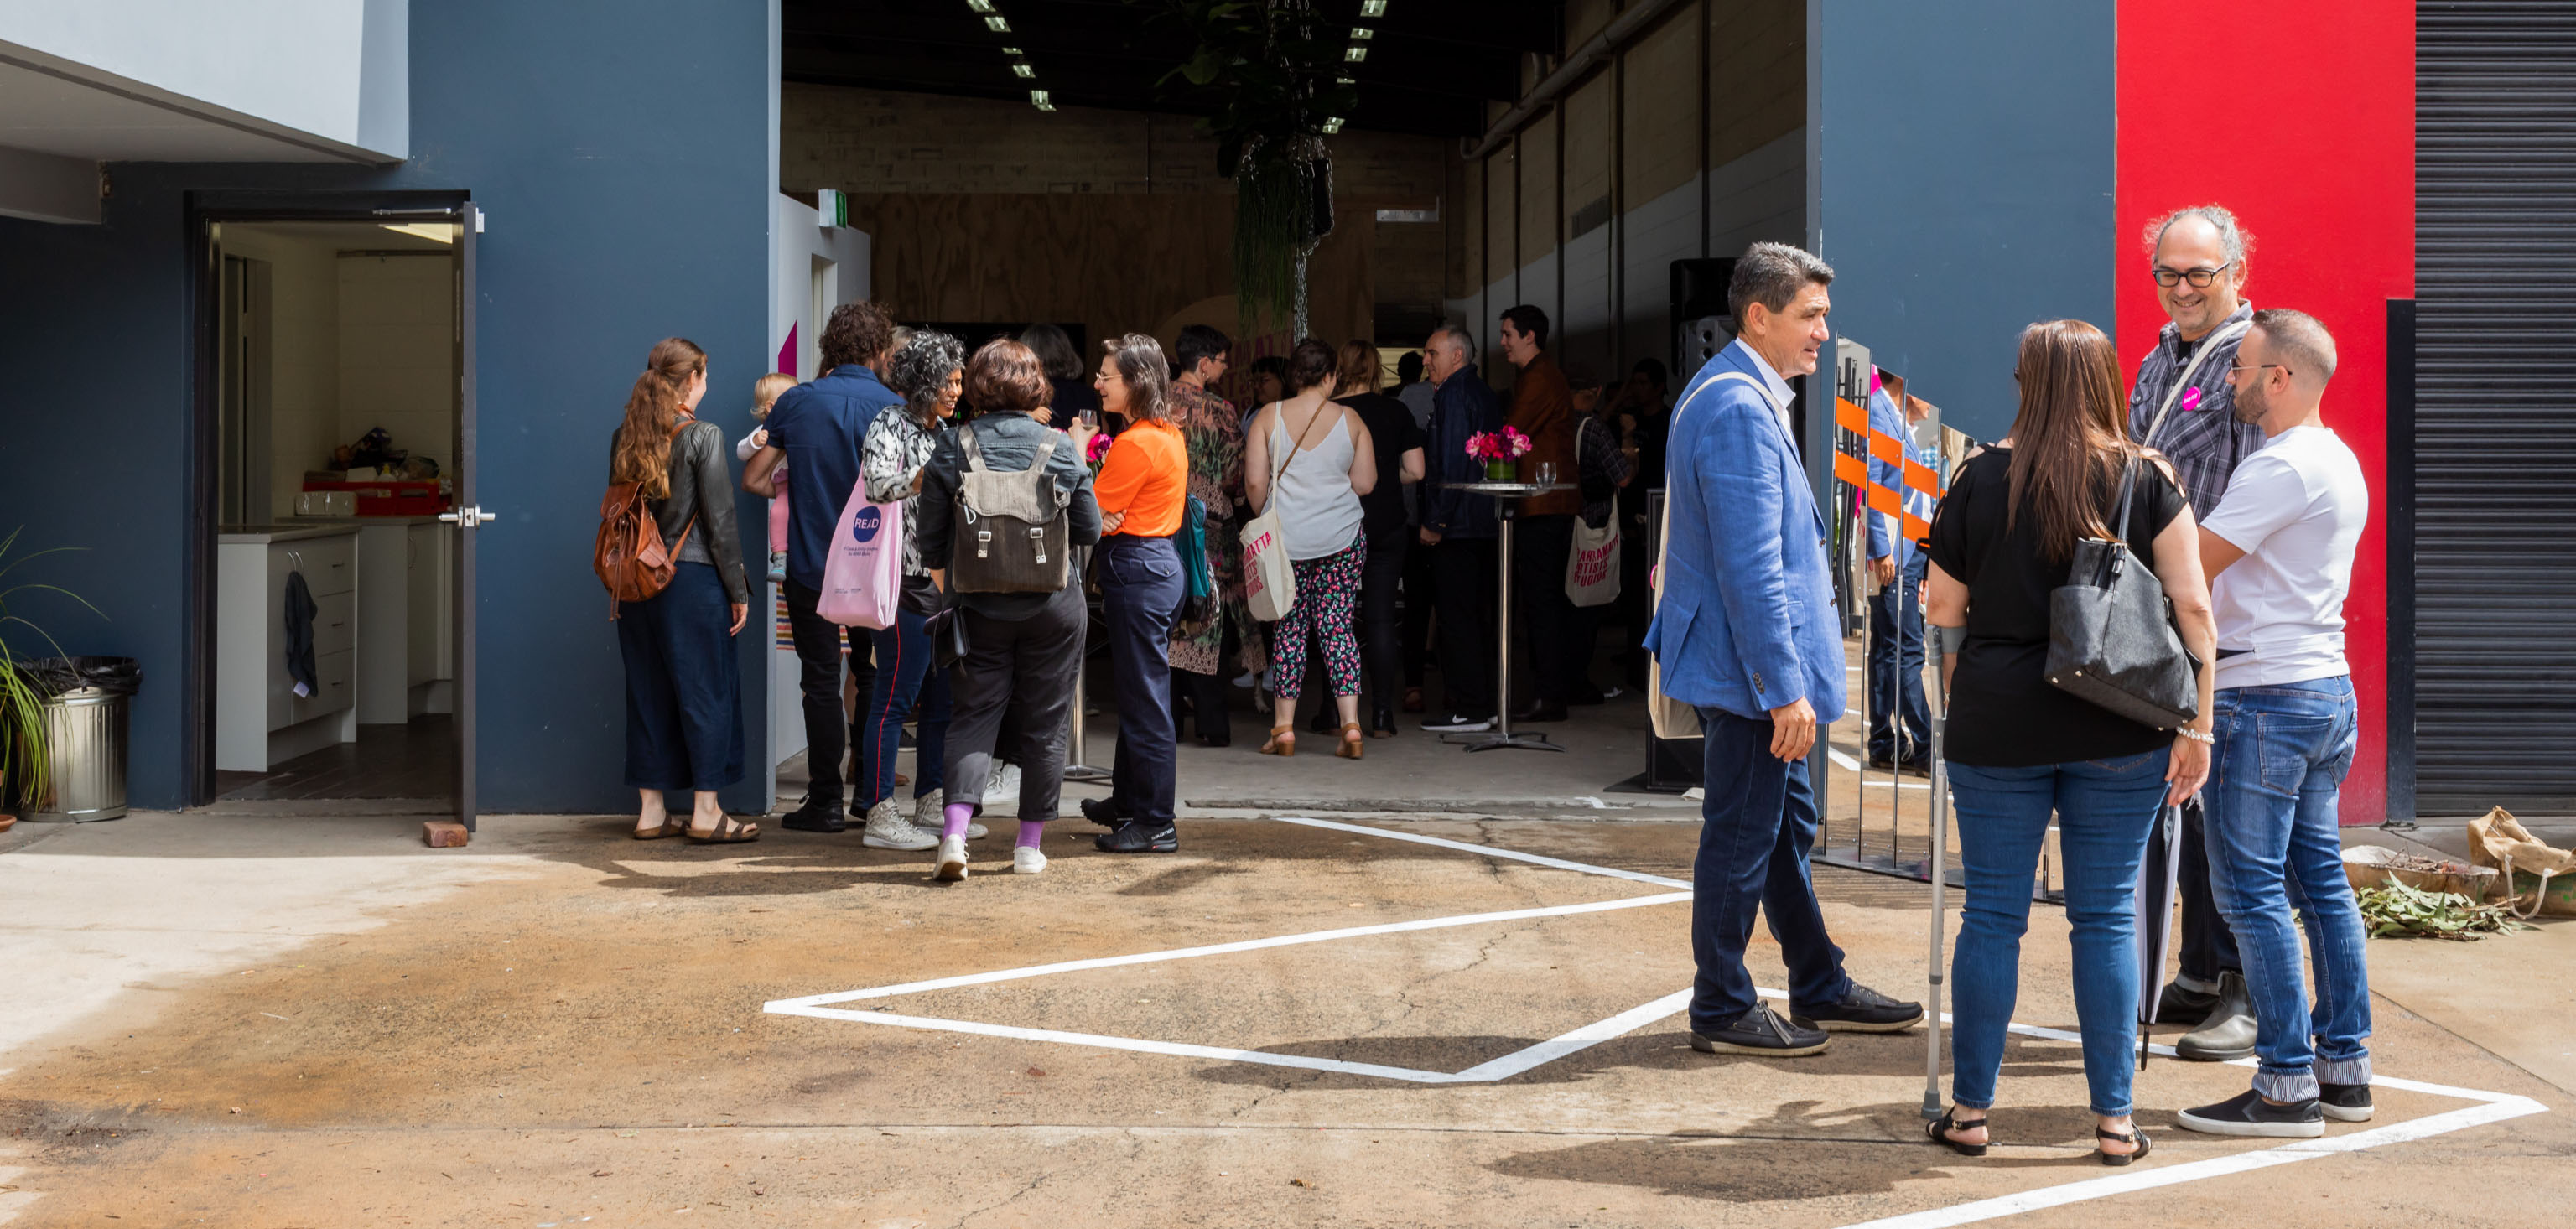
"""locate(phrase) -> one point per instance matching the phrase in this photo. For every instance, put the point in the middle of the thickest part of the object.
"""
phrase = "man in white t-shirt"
(2279, 551)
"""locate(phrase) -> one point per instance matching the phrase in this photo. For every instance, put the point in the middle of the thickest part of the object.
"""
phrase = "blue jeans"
(1893, 636)
(903, 677)
(2104, 809)
(2273, 847)
(1756, 827)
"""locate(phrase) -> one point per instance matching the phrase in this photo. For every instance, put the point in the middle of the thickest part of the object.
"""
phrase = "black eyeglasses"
(2197, 277)
(2233, 368)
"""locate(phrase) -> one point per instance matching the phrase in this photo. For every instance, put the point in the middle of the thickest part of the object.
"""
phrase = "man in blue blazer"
(1745, 631)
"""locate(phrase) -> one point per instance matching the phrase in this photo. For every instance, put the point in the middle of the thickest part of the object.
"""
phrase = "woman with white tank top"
(1313, 456)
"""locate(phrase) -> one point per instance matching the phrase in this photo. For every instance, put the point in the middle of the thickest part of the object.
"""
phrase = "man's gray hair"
(2232, 238)
(1772, 274)
(2299, 341)
(1459, 339)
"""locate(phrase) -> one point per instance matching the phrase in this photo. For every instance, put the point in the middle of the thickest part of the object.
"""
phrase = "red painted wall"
(2298, 115)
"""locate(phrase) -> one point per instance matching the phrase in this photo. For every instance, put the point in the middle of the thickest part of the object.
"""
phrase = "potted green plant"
(26, 751)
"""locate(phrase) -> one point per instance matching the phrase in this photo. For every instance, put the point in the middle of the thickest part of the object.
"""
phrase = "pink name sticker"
(2190, 400)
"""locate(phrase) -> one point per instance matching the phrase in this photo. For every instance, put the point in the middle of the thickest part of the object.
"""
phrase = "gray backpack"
(1012, 534)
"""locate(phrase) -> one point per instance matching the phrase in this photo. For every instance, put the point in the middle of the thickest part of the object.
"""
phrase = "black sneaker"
(2248, 1113)
(1104, 811)
(1860, 1010)
(1540, 711)
(1762, 1032)
(2344, 1102)
(1139, 836)
(1458, 723)
(816, 817)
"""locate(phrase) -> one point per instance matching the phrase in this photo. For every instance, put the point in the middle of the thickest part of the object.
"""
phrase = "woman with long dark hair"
(1073, 395)
(929, 371)
(1311, 459)
(1143, 486)
(683, 682)
(2020, 749)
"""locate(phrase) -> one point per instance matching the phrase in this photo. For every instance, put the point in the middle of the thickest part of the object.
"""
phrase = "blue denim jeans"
(905, 687)
(1896, 667)
(1756, 827)
(2104, 809)
(2273, 847)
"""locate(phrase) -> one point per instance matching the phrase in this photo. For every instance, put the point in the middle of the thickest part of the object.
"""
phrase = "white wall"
(797, 237)
(397, 351)
(338, 70)
(304, 356)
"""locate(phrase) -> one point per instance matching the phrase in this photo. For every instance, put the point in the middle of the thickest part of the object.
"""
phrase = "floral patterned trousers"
(1326, 590)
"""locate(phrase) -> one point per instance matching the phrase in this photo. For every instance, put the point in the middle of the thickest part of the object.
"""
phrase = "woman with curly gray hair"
(928, 370)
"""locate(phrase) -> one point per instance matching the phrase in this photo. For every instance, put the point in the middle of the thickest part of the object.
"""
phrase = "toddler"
(764, 394)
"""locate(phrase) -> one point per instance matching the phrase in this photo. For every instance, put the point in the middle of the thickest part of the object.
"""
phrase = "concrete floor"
(254, 1019)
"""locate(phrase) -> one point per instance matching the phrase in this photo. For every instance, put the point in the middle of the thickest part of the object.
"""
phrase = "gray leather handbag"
(2111, 635)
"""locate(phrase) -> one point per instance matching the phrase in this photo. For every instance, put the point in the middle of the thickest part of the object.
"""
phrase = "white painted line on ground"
(1487, 850)
(1221, 949)
(2491, 1107)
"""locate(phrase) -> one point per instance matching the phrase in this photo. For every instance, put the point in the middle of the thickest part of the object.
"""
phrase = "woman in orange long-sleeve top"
(1141, 488)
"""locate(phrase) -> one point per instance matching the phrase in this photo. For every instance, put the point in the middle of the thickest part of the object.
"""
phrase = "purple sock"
(1030, 831)
(954, 819)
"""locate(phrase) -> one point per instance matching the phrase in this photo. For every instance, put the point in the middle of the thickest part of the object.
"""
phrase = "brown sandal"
(1279, 745)
(1350, 746)
(729, 831)
(672, 825)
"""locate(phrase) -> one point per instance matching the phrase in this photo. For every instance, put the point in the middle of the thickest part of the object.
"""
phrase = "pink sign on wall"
(787, 355)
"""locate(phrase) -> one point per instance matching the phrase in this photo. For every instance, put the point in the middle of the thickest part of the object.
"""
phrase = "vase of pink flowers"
(1498, 450)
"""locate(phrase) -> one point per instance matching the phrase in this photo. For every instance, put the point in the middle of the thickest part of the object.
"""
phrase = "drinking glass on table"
(1547, 473)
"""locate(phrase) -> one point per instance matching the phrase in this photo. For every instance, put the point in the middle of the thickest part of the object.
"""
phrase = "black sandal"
(729, 831)
(1940, 1130)
(2134, 1136)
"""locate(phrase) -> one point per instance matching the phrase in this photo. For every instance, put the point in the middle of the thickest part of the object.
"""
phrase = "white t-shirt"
(2296, 508)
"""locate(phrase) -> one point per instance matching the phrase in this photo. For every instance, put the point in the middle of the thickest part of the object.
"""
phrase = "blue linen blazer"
(1744, 620)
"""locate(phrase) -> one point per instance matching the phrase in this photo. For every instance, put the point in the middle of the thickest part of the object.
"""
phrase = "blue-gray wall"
(621, 151)
(1963, 158)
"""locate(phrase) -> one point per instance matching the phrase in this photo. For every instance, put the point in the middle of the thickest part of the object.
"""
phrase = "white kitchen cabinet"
(259, 719)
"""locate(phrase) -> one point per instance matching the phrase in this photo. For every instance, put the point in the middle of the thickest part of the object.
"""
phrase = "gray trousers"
(1023, 669)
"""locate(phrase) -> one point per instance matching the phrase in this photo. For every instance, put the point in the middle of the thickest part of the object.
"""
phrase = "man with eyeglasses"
(2198, 263)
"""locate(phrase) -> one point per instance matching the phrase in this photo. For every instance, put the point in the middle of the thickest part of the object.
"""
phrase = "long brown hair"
(2067, 443)
(642, 454)
(1359, 369)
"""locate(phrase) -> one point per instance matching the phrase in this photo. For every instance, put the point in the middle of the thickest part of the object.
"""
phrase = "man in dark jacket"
(817, 429)
(1459, 527)
(1543, 410)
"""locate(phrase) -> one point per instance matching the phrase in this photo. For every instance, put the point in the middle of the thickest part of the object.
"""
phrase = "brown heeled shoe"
(1283, 740)
(1350, 747)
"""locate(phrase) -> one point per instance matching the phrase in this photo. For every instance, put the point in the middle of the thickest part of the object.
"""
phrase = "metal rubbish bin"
(87, 720)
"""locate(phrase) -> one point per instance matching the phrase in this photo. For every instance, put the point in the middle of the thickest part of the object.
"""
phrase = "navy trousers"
(683, 685)
(1140, 589)
(1756, 827)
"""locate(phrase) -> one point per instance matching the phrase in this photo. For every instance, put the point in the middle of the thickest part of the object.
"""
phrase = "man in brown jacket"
(1543, 409)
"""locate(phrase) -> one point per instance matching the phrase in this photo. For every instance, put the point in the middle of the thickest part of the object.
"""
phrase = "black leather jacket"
(702, 487)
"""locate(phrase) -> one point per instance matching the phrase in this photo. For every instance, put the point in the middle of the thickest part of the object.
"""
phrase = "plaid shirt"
(2204, 443)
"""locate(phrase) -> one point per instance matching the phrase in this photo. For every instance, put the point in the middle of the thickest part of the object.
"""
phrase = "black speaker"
(1699, 286)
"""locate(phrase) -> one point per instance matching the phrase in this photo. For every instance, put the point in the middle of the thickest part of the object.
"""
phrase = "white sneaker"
(930, 814)
(888, 829)
(1026, 860)
(1005, 784)
(952, 858)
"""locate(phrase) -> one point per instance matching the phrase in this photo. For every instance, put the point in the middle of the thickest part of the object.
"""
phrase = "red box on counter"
(389, 496)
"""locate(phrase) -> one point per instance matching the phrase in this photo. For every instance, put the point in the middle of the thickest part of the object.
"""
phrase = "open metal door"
(468, 516)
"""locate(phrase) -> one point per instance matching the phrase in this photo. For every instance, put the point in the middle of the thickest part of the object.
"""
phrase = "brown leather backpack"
(629, 555)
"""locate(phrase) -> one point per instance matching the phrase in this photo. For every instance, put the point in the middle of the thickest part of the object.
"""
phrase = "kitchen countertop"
(312, 527)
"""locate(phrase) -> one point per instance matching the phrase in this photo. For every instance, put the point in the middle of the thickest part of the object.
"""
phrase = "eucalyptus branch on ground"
(2396, 910)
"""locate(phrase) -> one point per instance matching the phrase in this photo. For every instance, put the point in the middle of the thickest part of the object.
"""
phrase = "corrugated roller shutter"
(2495, 565)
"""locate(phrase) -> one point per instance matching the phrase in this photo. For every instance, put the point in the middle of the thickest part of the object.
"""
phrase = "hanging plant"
(1268, 71)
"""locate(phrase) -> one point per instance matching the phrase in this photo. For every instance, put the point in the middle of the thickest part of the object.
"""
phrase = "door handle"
(468, 517)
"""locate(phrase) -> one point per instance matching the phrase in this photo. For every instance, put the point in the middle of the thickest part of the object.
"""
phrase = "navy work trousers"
(1140, 590)
(683, 685)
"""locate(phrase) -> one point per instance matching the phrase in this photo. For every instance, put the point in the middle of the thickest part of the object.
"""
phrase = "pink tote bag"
(863, 567)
